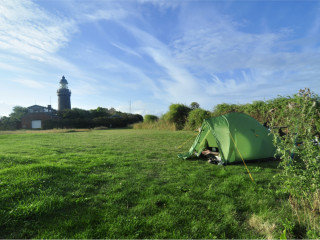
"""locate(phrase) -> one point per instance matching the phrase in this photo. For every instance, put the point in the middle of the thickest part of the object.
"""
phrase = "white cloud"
(243, 66)
(205, 56)
(215, 49)
(274, 63)
(102, 14)
(29, 30)
(9, 67)
(93, 11)
(164, 4)
(126, 49)
(138, 79)
(177, 82)
(29, 83)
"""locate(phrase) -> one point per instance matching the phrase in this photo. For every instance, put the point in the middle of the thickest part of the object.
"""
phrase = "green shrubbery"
(75, 118)
(100, 117)
(178, 114)
(13, 122)
(185, 117)
(191, 117)
(150, 118)
(178, 117)
(195, 118)
(299, 151)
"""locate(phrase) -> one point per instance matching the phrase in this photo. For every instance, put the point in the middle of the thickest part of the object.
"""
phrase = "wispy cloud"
(154, 50)
(111, 14)
(29, 30)
(177, 83)
(139, 81)
(240, 63)
(29, 83)
(269, 60)
(126, 49)
(165, 4)
(95, 11)
(217, 49)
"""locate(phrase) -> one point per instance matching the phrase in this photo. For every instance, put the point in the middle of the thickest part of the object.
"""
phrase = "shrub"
(224, 108)
(299, 151)
(7, 123)
(196, 118)
(178, 114)
(150, 118)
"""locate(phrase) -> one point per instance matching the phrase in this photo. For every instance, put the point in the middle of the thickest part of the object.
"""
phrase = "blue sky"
(155, 53)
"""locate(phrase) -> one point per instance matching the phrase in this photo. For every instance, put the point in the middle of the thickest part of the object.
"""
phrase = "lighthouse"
(63, 95)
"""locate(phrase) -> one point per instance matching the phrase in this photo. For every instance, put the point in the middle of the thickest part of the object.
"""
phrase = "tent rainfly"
(236, 135)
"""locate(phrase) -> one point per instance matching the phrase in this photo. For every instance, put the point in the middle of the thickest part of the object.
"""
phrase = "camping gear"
(237, 136)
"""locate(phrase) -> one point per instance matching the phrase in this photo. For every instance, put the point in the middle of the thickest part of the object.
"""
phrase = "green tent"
(236, 136)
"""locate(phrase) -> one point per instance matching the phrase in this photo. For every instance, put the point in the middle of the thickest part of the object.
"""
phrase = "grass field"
(130, 184)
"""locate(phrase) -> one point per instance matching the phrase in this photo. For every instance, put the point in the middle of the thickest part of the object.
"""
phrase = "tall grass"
(307, 210)
(161, 124)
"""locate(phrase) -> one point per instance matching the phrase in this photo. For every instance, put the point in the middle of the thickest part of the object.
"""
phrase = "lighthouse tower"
(63, 95)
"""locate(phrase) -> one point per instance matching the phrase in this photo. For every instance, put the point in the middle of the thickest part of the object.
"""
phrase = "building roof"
(38, 108)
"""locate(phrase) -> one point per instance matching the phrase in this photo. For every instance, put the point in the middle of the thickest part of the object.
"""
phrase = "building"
(36, 115)
(63, 95)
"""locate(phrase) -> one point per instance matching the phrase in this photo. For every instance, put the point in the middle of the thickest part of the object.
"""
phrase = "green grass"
(130, 184)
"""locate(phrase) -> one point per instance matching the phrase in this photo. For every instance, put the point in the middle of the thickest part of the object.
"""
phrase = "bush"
(299, 151)
(225, 108)
(178, 114)
(7, 123)
(196, 118)
(150, 118)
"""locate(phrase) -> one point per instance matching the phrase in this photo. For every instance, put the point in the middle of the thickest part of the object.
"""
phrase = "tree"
(194, 105)
(7, 123)
(196, 118)
(178, 114)
(225, 108)
(18, 112)
(13, 122)
(74, 113)
(150, 118)
(100, 112)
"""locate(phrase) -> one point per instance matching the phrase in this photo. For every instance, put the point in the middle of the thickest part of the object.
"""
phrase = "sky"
(140, 56)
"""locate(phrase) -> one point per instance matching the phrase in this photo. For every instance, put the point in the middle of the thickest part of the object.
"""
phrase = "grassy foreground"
(130, 184)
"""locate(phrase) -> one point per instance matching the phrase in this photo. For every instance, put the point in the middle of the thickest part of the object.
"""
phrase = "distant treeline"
(13, 122)
(100, 117)
(75, 118)
(181, 116)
